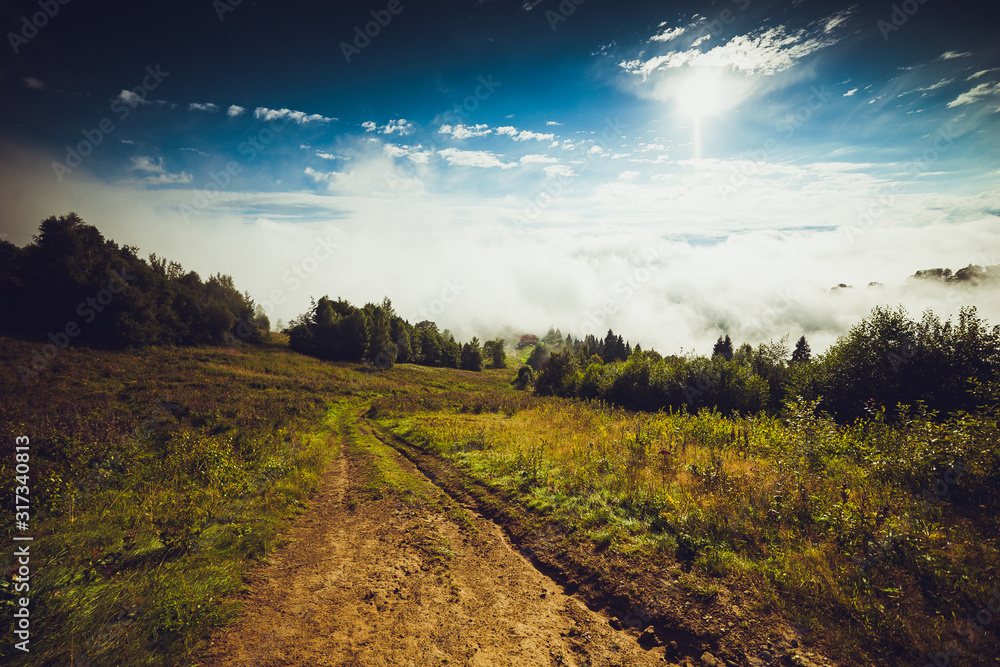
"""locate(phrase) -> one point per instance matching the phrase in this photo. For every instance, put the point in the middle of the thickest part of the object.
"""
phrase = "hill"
(159, 477)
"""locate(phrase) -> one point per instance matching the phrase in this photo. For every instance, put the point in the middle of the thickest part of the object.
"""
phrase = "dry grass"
(825, 524)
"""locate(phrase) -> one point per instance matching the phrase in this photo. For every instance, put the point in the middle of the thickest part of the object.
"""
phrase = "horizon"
(673, 175)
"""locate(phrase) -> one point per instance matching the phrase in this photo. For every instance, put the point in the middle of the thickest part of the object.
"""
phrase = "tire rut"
(392, 582)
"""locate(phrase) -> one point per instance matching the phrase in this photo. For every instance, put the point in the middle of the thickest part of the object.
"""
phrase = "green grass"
(159, 477)
(825, 523)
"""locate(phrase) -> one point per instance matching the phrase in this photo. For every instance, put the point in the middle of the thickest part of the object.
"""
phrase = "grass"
(876, 537)
(157, 478)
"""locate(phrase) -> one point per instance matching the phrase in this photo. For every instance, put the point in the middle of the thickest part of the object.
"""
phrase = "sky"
(674, 171)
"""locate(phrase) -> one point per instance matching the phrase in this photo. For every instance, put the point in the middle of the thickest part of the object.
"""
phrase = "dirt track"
(395, 582)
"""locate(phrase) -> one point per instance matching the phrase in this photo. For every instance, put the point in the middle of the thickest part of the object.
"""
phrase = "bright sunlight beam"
(702, 93)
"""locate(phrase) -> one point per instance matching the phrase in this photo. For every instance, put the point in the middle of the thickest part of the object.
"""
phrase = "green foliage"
(723, 348)
(559, 375)
(538, 357)
(70, 273)
(877, 530)
(889, 359)
(157, 478)
(472, 356)
(495, 353)
(525, 378)
(802, 353)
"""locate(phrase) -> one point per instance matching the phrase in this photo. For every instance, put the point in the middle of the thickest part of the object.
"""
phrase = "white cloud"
(667, 35)
(399, 126)
(483, 159)
(983, 72)
(763, 52)
(628, 175)
(850, 92)
(466, 131)
(934, 86)
(414, 153)
(156, 173)
(949, 55)
(559, 171)
(840, 18)
(131, 99)
(198, 106)
(300, 117)
(750, 263)
(330, 156)
(535, 158)
(766, 53)
(373, 175)
(235, 110)
(33, 83)
(523, 135)
(982, 91)
(552, 122)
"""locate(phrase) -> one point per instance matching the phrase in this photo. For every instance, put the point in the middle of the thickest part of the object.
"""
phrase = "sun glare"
(702, 93)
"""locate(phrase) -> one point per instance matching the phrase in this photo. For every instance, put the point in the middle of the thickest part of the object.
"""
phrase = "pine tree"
(802, 354)
(724, 347)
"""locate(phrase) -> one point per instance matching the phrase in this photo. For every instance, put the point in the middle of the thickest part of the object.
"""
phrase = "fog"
(465, 265)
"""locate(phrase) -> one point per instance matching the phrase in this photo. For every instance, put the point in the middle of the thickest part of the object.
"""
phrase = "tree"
(538, 357)
(559, 376)
(472, 356)
(802, 354)
(494, 351)
(355, 336)
(525, 378)
(724, 348)
(430, 345)
(381, 351)
(401, 337)
(614, 348)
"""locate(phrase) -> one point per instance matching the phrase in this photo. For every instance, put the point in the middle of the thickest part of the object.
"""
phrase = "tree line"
(886, 360)
(71, 285)
(375, 334)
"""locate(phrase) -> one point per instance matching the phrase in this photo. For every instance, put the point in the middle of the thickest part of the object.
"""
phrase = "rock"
(709, 660)
(615, 623)
(648, 638)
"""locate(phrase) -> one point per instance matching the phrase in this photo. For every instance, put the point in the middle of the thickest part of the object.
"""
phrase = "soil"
(397, 582)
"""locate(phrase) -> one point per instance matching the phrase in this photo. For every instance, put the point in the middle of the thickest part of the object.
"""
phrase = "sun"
(702, 93)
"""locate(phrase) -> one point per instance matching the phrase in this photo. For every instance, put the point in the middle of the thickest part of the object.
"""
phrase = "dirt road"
(410, 579)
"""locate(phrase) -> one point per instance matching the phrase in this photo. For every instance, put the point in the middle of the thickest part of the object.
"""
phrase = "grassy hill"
(159, 476)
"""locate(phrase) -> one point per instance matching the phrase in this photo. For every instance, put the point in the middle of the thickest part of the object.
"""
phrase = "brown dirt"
(371, 583)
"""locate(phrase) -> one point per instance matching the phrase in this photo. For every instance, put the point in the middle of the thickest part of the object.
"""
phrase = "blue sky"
(673, 170)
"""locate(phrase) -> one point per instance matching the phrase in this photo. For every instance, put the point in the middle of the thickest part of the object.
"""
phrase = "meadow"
(878, 540)
(159, 477)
